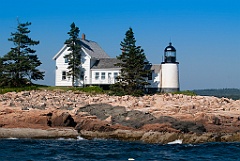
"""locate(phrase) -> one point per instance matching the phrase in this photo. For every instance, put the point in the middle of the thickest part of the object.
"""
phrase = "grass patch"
(90, 89)
(187, 92)
(17, 89)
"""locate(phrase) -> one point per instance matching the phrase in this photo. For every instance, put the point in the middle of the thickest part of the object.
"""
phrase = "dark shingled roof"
(93, 49)
(90, 47)
(105, 63)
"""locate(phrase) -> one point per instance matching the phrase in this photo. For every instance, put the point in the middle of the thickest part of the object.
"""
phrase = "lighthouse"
(169, 74)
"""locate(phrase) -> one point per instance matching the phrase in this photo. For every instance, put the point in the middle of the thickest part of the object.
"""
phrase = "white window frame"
(103, 75)
(66, 60)
(96, 75)
(115, 75)
(64, 75)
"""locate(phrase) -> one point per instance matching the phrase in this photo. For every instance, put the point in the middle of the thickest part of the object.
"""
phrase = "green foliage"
(91, 90)
(187, 92)
(74, 57)
(117, 89)
(17, 89)
(19, 66)
(1, 70)
(132, 79)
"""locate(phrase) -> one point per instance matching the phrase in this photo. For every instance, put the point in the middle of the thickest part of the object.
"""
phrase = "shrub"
(89, 89)
(117, 90)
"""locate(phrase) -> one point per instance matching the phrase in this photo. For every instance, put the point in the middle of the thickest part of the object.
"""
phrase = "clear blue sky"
(205, 33)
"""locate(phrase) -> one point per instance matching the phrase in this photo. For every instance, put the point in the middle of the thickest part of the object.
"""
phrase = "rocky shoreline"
(151, 119)
(38, 133)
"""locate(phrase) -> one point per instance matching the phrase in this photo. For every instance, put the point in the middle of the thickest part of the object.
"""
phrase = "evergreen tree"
(74, 57)
(3, 78)
(21, 62)
(132, 79)
(1, 71)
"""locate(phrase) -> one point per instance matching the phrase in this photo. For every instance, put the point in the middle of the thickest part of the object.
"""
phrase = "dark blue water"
(111, 150)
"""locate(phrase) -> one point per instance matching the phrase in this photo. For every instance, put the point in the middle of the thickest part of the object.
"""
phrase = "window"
(64, 75)
(65, 60)
(82, 60)
(109, 78)
(109, 75)
(115, 75)
(97, 75)
(81, 75)
(150, 75)
(103, 75)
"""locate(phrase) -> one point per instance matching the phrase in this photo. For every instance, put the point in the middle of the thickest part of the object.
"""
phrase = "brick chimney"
(83, 36)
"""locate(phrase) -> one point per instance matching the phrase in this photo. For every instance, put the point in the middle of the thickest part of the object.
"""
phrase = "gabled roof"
(93, 49)
(90, 47)
(60, 52)
(106, 63)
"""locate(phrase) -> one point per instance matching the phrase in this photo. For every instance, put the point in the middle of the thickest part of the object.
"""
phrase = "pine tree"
(1, 71)
(74, 57)
(21, 62)
(132, 79)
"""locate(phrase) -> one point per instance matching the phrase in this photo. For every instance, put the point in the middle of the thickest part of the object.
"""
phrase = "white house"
(98, 68)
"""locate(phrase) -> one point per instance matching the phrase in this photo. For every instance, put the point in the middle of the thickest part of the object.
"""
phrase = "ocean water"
(113, 150)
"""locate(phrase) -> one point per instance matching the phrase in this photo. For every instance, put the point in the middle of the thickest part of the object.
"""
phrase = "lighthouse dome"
(170, 54)
(170, 48)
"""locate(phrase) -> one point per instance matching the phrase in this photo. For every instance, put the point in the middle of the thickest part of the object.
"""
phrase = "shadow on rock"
(64, 119)
(119, 115)
(183, 126)
(102, 111)
(136, 119)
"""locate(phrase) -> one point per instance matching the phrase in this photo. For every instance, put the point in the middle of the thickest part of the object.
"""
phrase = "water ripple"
(112, 150)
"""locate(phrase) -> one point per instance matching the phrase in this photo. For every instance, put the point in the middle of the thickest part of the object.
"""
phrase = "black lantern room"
(170, 54)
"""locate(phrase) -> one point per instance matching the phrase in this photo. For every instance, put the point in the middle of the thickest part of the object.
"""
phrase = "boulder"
(93, 125)
(187, 126)
(37, 133)
(64, 119)
(157, 127)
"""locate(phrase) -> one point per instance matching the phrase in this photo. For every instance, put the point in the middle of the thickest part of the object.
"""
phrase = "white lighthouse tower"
(169, 81)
